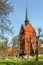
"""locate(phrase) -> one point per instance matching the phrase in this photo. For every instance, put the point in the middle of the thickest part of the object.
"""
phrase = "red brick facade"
(27, 32)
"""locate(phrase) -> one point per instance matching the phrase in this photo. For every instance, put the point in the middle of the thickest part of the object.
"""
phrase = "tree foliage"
(16, 41)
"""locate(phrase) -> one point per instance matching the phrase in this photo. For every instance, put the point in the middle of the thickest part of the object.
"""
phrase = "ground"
(24, 61)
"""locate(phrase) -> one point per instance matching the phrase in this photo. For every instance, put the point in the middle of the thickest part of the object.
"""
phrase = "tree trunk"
(37, 51)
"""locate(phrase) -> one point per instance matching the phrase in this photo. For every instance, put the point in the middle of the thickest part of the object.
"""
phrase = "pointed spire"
(26, 14)
(26, 19)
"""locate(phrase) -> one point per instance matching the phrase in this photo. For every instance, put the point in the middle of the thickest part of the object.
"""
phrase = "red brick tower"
(27, 37)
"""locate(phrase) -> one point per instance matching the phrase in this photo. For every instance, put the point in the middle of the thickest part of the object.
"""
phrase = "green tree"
(15, 41)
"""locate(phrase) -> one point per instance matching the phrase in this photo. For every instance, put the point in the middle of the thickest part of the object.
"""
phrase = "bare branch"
(5, 23)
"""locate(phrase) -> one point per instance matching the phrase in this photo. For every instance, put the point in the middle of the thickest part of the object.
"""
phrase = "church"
(27, 37)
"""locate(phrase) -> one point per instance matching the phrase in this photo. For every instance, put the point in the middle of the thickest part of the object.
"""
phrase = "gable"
(30, 28)
(22, 29)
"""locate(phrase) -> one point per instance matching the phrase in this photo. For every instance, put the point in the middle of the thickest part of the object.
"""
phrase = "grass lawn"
(40, 57)
(22, 62)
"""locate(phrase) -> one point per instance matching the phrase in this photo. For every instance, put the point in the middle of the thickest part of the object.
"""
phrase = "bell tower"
(26, 32)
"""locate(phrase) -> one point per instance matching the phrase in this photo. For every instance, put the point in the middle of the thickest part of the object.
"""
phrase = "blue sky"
(35, 13)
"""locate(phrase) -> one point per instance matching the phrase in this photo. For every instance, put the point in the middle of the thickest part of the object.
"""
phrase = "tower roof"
(26, 19)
